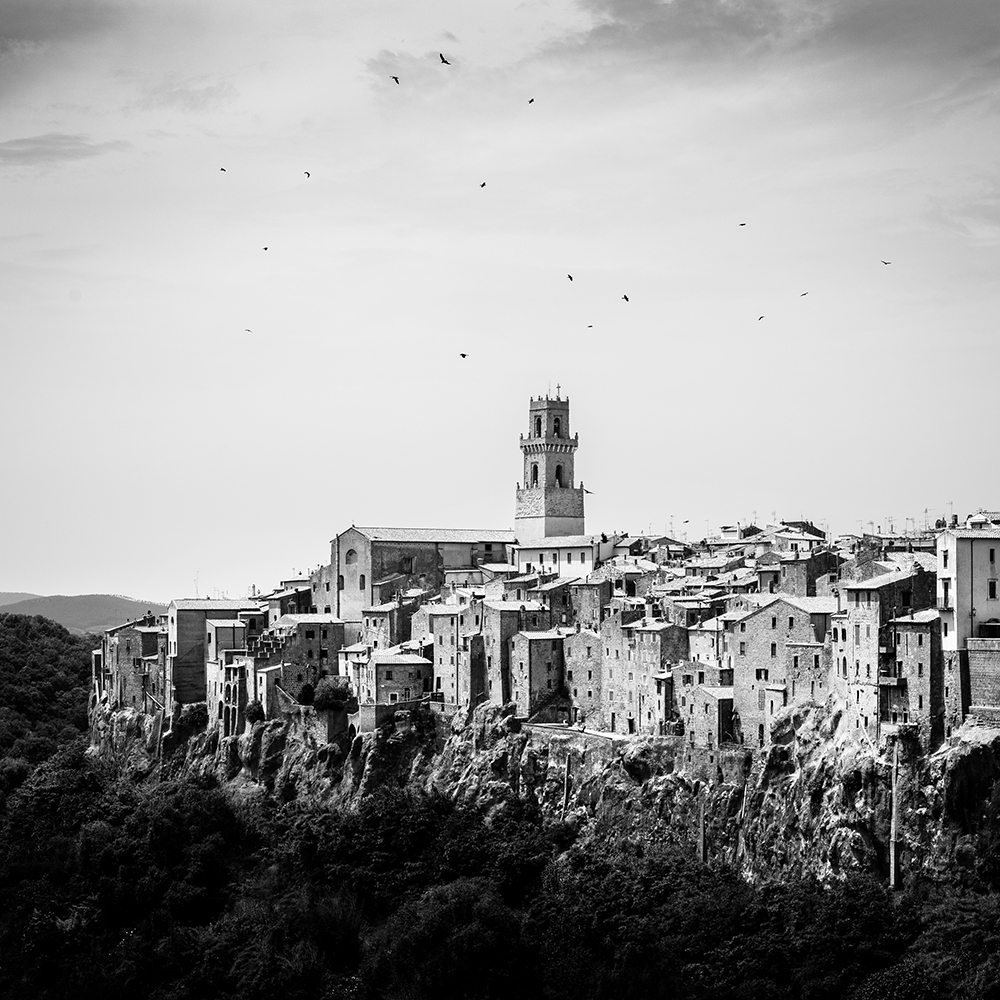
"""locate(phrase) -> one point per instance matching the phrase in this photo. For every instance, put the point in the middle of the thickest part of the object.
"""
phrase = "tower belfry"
(548, 504)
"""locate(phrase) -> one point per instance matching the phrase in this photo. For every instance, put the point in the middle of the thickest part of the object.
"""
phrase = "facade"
(536, 669)
(133, 663)
(393, 676)
(582, 673)
(370, 561)
(912, 683)
(863, 644)
(548, 505)
(185, 681)
(968, 597)
(569, 556)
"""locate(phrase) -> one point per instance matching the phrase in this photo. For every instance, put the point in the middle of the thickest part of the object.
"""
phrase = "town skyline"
(181, 403)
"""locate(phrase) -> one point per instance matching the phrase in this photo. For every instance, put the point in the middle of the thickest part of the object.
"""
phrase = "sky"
(183, 411)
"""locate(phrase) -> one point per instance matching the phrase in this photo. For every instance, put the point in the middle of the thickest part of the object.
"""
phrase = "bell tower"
(548, 504)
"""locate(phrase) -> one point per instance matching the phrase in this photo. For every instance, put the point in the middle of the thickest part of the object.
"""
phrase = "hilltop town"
(621, 635)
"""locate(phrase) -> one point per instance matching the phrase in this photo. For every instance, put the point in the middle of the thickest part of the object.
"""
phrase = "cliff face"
(820, 801)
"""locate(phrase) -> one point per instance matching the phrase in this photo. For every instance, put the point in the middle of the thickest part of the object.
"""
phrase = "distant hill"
(84, 612)
(6, 597)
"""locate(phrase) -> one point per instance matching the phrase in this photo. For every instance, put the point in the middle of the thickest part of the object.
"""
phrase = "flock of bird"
(531, 100)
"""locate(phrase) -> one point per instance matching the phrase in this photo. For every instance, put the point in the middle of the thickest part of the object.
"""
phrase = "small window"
(388, 675)
(791, 622)
(991, 590)
(340, 583)
(361, 582)
(774, 622)
(774, 649)
(920, 670)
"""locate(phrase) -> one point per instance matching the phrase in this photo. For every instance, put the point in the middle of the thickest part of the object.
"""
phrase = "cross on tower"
(557, 390)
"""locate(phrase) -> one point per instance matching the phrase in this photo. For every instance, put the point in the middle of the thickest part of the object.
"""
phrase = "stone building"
(590, 598)
(862, 639)
(133, 663)
(548, 505)
(968, 597)
(186, 651)
(373, 564)
(582, 667)
(557, 596)
(912, 680)
(306, 646)
(760, 648)
(222, 636)
(501, 621)
(536, 669)
(394, 675)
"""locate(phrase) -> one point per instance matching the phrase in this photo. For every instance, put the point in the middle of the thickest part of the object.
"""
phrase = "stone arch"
(351, 558)
(557, 427)
(534, 473)
(538, 427)
(559, 476)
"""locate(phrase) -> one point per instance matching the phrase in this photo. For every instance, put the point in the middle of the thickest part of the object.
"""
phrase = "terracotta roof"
(461, 535)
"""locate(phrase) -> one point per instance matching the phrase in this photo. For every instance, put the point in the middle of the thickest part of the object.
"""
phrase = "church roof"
(460, 535)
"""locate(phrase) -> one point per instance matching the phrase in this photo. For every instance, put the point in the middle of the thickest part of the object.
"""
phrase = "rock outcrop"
(819, 800)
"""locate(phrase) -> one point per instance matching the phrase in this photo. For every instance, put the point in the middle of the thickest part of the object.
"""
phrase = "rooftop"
(719, 693)
(546, 634)
(556, 584)
(883, 580)
(974, 532)
(225, 623)
(397, 659)
(918, 617)
(460, 535)
(515, 605)
(561, 542)
(289, 620)
(186, 604)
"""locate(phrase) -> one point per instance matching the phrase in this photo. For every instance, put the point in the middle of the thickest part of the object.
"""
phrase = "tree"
(331, 692)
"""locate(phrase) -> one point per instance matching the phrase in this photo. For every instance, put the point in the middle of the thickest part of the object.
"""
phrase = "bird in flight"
(248, 330)
(306, 172)
(625, 297)
(531, 100)
(445, 61)
(463, 355)
(585, 490)
(803, 293)
(396, 78)
(759, 318)
(483, 184)
(223, 169)
(590, 326)
(886, 261)
(265, 248)
(570, 276)
(742, 223)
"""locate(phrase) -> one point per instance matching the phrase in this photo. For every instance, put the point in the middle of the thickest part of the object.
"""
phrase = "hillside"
(85, 612)
(9, 597)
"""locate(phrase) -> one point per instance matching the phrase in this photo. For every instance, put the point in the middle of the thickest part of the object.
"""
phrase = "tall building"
(548, 504)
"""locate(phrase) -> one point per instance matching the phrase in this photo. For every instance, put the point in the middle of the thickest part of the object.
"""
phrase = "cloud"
(54, 147)
(34, 22)
(925, 30)
(188, 95)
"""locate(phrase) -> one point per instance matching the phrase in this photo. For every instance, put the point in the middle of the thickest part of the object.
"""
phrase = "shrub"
(331, 692)
(255, 711)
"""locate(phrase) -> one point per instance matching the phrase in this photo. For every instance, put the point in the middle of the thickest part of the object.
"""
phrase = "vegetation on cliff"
(176, 889)
(44, 681)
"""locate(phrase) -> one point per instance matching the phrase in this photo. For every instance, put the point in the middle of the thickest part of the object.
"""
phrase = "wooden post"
(702, 840)
(894, 874)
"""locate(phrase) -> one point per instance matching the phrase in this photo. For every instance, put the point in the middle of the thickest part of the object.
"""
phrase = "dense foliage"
(44, 683)
(173, 889)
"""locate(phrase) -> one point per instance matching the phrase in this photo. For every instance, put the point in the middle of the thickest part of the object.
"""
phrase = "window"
(538, 427)
(361, 582)
(351, 557)
(556, 427)
(795, 664)
(406, 564)
(743, 649)
(534, 473)
(944, 625)
(991, 590)
(559, 475)
(569, 675)
(310, 633)
(743, 626)
(857, 635)
(774, 622)
(388, 675)
(774, 649)
(993, 555)
(791, 622)
(340, 583)
(920, 701)
(588, 651)
(816, 662)
(920, 638)
(701, 676)
(555, 557)
(920, 670)
(569, 559)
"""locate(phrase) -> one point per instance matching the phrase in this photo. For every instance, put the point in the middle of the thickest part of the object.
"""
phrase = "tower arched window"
(351, 557)
(534, 473)
(559, 475)
(556, 427)
(538, 427)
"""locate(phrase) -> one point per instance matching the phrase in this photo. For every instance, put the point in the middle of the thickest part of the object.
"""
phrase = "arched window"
(559, 475)
(556, 425)
(361, 582)
(534, 473)
(538, 427)
(351, 558)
